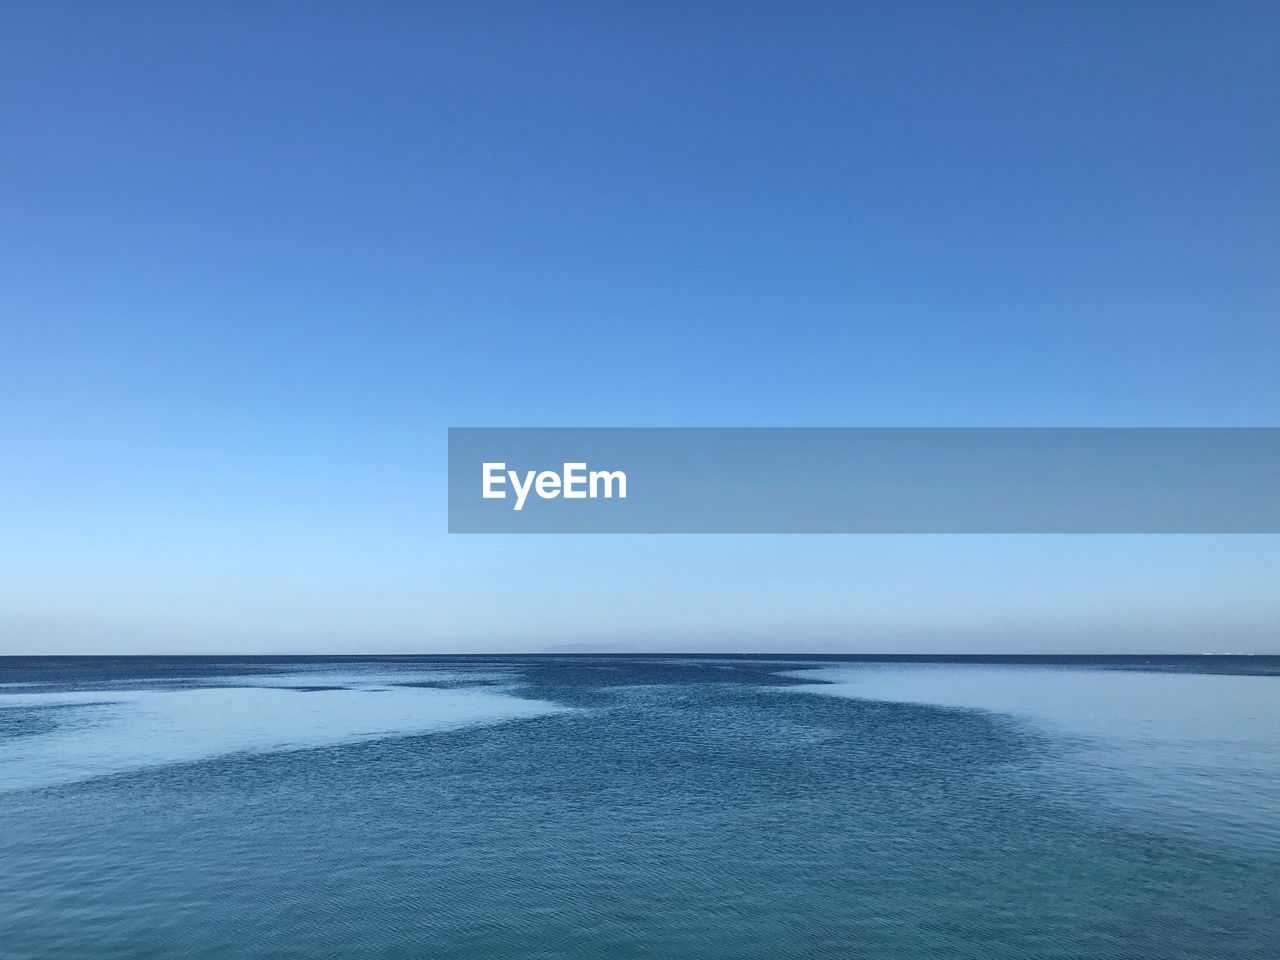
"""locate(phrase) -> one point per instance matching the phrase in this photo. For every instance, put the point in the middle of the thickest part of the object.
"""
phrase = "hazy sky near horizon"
(256, 258)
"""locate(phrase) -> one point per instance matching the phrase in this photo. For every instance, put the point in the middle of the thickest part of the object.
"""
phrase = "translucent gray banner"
(864, 480)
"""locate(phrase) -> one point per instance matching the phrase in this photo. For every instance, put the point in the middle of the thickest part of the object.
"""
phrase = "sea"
(614, 807)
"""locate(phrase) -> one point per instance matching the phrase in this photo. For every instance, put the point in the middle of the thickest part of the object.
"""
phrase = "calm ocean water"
(659, 807)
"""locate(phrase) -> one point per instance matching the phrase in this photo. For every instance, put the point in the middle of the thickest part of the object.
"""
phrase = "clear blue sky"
(255, 258)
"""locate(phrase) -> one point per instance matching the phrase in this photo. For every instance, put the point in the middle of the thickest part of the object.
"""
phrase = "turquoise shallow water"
(619, 807)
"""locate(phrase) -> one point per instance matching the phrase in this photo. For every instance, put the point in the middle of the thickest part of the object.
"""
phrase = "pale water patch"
(78, 735)
(1195, 752)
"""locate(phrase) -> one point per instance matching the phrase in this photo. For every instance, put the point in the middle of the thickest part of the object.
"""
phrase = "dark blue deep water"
(619, 807)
